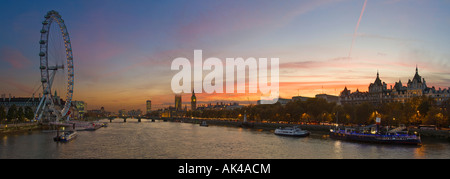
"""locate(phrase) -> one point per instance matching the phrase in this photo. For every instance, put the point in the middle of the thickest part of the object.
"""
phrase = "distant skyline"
(123, 49)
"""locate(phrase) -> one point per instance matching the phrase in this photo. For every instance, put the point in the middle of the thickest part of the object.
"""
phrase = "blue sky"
(123, 49)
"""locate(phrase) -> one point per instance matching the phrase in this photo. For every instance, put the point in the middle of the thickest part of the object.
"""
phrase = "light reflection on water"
(182, 140)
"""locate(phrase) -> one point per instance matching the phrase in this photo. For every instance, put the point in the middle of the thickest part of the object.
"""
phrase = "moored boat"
(292, 131)
(66, 136)
(90, 127)
(204, 124)
(375, 137)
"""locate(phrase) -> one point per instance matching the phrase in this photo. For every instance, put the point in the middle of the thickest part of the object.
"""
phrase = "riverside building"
(379, 93)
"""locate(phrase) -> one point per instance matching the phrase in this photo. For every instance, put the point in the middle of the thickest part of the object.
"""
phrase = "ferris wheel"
(56, 66)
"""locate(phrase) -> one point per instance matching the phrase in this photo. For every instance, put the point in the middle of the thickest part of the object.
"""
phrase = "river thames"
(170, 140)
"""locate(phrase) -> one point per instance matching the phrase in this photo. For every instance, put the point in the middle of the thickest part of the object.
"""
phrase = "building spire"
(417, 76)
(377, 80)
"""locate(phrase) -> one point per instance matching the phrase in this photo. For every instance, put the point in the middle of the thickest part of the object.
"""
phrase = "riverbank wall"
(256, 125)
(433, 133)
(272, 126)
(18, 128)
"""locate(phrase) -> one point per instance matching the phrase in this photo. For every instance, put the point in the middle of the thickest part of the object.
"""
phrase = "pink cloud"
(14, 57)
(339, 62)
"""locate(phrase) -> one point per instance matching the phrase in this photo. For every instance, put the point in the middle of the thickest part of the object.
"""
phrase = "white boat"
(291, 131)
(204, 124)
(66, 136)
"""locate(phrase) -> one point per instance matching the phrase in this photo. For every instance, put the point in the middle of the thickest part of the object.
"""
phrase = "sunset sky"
(123, 49)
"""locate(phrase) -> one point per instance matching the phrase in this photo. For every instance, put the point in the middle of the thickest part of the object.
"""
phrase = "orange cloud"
(26, 89)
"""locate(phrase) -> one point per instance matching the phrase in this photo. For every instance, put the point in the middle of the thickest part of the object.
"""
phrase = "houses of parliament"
(379, 93)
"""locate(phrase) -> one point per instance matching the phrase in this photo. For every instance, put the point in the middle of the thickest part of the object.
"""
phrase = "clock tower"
(193, 101)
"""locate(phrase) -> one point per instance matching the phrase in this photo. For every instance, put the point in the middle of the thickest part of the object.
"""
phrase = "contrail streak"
(356, 28)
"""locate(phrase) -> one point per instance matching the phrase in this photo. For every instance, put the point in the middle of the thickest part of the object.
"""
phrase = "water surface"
(169, 140)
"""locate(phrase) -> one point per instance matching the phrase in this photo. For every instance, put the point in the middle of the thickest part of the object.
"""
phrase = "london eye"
(56, 67)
